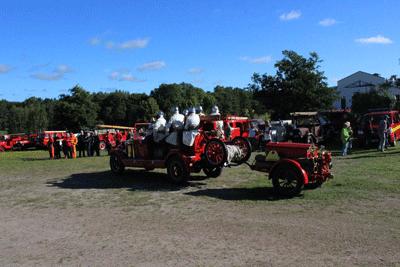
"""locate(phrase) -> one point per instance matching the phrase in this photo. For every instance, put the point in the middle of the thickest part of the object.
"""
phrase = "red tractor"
(208, 153)
(291, 166)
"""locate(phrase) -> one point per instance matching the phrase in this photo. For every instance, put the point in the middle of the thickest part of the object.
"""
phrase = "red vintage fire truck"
(18, 141)
(208, 153)
(107, 133)
(367, 132)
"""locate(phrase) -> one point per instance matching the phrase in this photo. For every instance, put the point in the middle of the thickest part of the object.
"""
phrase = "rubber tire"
(248, 147)
(177, 171)
(212, 172)
(224, 156)
(116, 165)
(288, 171)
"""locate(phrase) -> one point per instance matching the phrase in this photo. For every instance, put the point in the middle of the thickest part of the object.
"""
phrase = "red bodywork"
(368, 131)
(311, 164)
(17, 141)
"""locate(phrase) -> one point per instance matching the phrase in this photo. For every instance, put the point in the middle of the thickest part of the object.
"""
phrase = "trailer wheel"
(212, 172)
(287, 181)
(116, 165)
(245, 146)
(216, 153)
(177, 171)
(102, 145)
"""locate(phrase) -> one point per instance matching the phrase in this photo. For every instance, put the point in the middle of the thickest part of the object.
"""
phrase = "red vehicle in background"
(367, 132)
(18, 141)
(108, 133)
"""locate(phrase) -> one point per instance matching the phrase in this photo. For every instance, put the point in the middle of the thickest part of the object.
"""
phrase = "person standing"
(89, 144)
(345, 137)
(74, 142)
(50, 145)
(96, 144)
(81, 144)
(57, 147)
(382, 133)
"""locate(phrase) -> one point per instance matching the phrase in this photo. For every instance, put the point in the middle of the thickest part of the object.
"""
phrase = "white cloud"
(195, 70)
(132, 44)
(57, 74)
(95, 41)
(154, 65)
(4, 68)
(294, 14)
(123, 76)
(379, 39)
(327, 22)
(257, 60)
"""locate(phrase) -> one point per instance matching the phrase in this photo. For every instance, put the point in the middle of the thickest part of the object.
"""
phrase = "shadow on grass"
(130, 179)
(258, 193)
(376, 154)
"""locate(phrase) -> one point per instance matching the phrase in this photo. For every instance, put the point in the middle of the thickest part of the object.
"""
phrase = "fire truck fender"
(293, 163)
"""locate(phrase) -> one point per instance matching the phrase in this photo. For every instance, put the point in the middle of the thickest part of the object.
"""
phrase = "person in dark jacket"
(81, 144)
(57, 147)
(96, 144)
(89, 144)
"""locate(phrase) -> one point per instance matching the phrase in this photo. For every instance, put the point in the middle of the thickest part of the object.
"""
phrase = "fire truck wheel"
(245, 146)
(212, 172)
(216, 153)
(116, 165)
(17, 147)
(102, 145)
(287, 181)
(177, 171)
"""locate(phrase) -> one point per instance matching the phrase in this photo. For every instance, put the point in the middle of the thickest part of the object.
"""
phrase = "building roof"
(377, 79)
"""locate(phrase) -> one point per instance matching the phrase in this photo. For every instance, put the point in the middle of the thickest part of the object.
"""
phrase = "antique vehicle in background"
(367, 132)
(335, 122)
(291, 166)
(209, 152)
(111, 130)
(309, 127)
(17, 141)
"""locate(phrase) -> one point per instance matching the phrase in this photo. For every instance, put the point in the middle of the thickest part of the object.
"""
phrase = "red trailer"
(291, 166)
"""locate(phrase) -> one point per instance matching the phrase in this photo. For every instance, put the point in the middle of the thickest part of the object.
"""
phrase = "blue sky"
(46, 47)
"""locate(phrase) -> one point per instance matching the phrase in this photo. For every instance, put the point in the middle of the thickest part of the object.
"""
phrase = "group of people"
(67, 145)
(383, 134)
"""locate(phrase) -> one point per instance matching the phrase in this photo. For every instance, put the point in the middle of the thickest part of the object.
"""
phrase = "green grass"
(28, 178)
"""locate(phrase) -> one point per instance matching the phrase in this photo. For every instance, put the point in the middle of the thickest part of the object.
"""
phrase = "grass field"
(73, 212)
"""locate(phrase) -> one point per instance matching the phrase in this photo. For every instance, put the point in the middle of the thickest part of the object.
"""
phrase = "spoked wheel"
(244, 146)
(216, 153)
(177, 171)
(212, 172)
(287, 181)
(116, 165)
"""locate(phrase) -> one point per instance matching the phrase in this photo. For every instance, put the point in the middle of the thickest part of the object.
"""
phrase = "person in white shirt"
(175, 124)
(191, 128)
(159, 127)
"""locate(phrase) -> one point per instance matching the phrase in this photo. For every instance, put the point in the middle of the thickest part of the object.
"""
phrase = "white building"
(359, 82)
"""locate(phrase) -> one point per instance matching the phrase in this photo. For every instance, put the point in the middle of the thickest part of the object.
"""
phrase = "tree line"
(298, 84)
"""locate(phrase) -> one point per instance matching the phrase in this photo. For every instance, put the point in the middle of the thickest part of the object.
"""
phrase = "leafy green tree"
(183, 95)
(297, 85)
(361, 102)
(75, 111)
